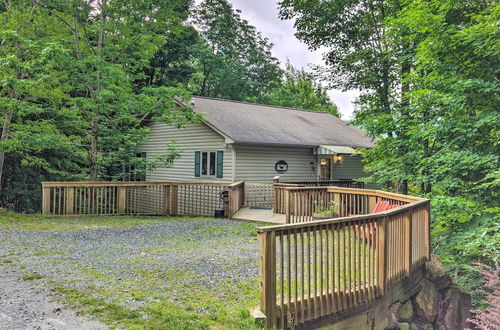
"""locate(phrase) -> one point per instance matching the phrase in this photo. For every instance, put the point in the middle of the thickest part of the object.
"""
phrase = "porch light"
(323, 162)
(336, 159)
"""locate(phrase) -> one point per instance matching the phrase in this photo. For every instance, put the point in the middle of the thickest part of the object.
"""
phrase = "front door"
(325, 168)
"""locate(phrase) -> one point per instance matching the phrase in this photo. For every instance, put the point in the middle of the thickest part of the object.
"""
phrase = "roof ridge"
(264, 105)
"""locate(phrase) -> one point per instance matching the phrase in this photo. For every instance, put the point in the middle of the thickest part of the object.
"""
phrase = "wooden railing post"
(174, 199)
(428, 230)
(288, 206)
(121, 198)
(276, 180)
(267, 271)
(45, 199)
(70, 200)
(407, 241)
(382, 254)
(372, 201)
(166, 199)
(231, 197)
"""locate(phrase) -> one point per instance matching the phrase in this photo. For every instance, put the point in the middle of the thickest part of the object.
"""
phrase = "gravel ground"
(169, 256)
(23, 306)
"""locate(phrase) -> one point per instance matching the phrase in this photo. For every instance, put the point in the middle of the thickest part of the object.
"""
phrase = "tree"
(113, 43)
(428, 71)
(359, 55)
(73, 91)
(298, 89)
(37, 132)
(237, 60)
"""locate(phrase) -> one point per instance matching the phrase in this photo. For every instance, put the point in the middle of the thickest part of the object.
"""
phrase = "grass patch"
(31, 277)
(197, 309)
(34, 222)
(144, 291)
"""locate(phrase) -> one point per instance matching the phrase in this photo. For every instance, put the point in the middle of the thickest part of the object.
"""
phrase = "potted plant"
(326, 210)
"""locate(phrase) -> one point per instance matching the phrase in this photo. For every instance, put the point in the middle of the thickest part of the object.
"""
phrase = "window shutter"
(197, 158)
(220, 158)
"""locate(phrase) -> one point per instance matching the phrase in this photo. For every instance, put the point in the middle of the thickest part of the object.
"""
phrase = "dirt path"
(25, 307)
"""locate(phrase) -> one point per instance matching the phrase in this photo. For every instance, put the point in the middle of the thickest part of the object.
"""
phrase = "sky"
(263, 14)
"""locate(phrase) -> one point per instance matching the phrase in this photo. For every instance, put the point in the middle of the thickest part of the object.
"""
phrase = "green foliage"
(236, 61)
(428, 76)
(298, 89)
(74, 94)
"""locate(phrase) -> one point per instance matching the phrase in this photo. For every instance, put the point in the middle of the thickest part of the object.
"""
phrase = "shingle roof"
(255, 123)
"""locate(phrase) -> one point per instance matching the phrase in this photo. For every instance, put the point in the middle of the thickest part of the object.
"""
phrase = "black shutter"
(197, 159)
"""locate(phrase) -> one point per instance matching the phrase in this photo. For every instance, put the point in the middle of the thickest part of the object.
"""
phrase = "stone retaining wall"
(425, 300)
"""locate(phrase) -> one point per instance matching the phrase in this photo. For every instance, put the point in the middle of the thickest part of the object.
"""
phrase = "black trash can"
(219, 212)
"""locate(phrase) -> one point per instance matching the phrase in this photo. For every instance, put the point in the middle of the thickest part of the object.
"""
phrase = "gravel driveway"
(135, 266)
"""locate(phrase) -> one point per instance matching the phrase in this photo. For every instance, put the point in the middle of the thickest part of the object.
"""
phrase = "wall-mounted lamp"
(336, 159)
(324, 161)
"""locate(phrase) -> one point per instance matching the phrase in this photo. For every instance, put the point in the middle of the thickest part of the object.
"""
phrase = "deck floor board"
(259, 215)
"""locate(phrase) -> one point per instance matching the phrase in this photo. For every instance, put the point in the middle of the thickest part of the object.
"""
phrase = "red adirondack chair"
(370, 231)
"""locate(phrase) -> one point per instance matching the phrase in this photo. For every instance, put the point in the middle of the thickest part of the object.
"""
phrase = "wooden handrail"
(138, 197)
(317, 268)
(129, 183)
(353, 218)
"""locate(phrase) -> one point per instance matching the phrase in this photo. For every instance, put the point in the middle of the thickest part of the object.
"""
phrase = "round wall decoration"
(281, 166)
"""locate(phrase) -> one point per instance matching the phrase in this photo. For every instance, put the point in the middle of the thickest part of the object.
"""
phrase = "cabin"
(252, 142)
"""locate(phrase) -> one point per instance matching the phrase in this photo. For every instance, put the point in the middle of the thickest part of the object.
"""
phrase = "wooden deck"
(259, 215)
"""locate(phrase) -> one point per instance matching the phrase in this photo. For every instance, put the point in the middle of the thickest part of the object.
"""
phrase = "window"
(204, 163)
(208, 163)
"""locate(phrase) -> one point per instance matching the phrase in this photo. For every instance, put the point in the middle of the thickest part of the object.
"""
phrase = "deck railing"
(146, 198)
(279, 188)
(314, 269)
(300, 202)
(236, 197)
(328, 183)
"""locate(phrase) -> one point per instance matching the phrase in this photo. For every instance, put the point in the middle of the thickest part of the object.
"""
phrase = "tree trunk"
(403, 187)
(94, 132)
(3, 137)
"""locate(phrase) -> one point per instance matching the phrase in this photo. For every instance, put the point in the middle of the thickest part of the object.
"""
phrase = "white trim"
(334, 150)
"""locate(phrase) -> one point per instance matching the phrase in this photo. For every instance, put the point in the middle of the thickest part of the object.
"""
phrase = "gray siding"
(256, 163)
(351, 167)
(193, 137)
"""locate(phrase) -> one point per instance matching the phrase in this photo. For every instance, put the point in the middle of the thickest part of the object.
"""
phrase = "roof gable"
(255, 123)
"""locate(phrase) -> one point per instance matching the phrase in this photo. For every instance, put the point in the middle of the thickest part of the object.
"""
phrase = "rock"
(454, 310)
(394, 311)
(426, 301)
(437, 273)
(406, 311)
(258, 316)
(403, 326)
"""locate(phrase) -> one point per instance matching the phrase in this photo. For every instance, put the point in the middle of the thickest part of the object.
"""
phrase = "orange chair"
(381, 206)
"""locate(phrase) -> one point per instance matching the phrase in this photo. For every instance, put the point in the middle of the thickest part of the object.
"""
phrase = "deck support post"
(427, 211)
(70, 200)
(121, 197)
(372, 201)
(288, 206)
(174, 199)
(407, 240)
(267, 270)
(45, 199)
(166, 199)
